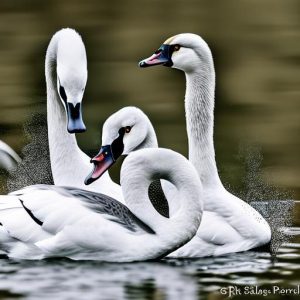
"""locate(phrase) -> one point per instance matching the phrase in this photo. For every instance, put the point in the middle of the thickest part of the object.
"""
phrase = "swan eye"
(62, 93)
(127, 129)
(177, 47)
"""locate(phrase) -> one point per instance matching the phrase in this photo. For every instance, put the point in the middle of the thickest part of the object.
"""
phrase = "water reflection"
(170, 279)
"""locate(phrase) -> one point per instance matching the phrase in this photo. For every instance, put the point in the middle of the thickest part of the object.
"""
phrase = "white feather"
(69, 165)
(48, 221)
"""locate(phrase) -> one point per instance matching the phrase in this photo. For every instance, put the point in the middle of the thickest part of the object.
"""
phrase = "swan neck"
(61, 143)
(136, 176)
(199, 106)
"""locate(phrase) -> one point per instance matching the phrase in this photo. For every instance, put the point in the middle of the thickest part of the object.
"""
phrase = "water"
(171, 279)
(256, 52)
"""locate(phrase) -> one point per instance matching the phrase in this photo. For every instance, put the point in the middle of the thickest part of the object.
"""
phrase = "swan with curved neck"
(66, 76)
(228, 223)
(68, 222)
(191, 54)
(124, 132)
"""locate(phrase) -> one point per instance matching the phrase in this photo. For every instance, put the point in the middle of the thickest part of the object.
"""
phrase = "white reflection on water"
(170, 279)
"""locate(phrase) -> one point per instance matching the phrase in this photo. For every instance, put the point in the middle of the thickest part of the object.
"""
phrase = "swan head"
(71, 70)
(186, 52)
(127, 130)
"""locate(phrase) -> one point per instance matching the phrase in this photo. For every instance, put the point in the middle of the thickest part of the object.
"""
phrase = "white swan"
(228, 223)
(9, 159)
(243, 228)
(66, 76)
(48, 221)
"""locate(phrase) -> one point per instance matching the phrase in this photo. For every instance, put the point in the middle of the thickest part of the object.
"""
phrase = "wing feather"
(39, 213)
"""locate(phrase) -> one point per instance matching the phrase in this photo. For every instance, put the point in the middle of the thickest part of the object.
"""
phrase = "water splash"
(3, 180)
(35, 167)
(274, 204)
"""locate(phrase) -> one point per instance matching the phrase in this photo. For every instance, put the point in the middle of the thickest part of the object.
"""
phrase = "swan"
(66, 77)
(228, 223)
(9, 159)
(44, 221)
(244, 228)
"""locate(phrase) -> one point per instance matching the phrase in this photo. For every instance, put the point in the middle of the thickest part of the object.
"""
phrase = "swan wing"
(113, 209)
(53, 208)
(244, 219)
(216, 237)
(212, 238)
(16, 224)
(62, 221)
(215, 230)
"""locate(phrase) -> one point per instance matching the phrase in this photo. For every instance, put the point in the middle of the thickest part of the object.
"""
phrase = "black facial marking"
(62, 93)
(167, 51)
(158, 51)
(117, 146)
(36, 220)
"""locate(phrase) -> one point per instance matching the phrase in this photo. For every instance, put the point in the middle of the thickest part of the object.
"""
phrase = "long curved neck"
(62, 145)
(139, 170)
(199, 107)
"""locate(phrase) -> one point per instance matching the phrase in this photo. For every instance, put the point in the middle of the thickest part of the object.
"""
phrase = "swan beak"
(75, 122)
(102, 162)
(161, 57)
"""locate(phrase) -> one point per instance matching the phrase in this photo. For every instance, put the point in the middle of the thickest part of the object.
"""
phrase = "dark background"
(256, 48)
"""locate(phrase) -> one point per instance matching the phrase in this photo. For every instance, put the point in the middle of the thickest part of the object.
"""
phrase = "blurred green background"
(256, 48)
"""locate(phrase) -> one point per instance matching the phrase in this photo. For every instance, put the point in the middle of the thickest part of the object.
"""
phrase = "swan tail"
(8, 204)
(18, 231)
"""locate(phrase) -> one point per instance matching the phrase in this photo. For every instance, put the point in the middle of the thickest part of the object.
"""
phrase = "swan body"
(228, 223)
(66, 76)
(9, 159)
(237, 226)
(48, 221)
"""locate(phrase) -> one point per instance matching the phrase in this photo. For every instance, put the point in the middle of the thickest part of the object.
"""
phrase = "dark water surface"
(172, 279)
(256, 49)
